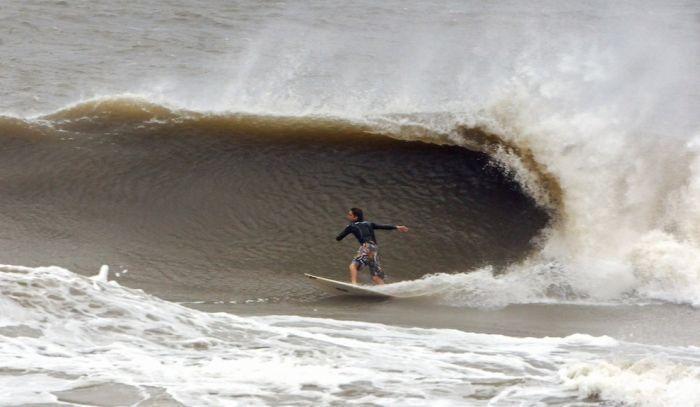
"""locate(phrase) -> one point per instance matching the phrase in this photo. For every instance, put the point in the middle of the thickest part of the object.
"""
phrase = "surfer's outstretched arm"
(384, 227)
(400, 228)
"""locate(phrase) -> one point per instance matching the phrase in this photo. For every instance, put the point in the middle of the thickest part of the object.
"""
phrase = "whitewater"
(66, 332)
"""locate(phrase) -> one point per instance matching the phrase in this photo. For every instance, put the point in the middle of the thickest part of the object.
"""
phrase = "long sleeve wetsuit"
(363, 231)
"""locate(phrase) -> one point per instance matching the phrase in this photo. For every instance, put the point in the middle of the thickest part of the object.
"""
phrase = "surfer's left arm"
(400, 228)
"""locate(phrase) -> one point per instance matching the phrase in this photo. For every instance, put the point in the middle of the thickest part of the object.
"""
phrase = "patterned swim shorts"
(367, 256)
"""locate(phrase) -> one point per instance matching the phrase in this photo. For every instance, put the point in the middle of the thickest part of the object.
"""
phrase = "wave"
(82, 338)
(619, 227)
(181, 193)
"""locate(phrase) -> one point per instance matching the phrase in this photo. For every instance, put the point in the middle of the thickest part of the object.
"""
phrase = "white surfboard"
(340, 288)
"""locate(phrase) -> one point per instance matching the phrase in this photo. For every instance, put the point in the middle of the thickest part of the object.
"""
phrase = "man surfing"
(367, 253)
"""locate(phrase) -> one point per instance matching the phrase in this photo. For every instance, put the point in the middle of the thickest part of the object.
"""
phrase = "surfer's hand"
(402, 228)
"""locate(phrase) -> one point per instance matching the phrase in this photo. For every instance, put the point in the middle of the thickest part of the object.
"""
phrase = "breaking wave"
(621, 227)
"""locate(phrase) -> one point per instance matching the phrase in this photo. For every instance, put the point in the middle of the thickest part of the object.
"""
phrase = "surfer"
(367, 253)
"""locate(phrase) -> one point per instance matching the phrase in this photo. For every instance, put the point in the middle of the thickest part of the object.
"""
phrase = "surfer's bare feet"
(378, 281)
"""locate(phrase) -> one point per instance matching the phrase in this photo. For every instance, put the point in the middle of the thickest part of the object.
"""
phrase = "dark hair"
(358, 212)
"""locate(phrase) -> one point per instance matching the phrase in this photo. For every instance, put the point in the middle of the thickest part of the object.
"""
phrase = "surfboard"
(341, 288)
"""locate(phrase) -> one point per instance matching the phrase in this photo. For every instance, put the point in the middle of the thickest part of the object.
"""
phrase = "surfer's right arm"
(344, 233)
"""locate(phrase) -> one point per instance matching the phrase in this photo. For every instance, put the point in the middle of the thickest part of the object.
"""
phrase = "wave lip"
(129, 113)
(136, 113)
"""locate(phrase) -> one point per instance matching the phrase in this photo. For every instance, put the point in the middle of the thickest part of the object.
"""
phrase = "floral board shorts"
(367, 256)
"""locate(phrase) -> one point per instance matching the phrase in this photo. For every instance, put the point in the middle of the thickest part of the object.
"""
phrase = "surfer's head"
(355, 215)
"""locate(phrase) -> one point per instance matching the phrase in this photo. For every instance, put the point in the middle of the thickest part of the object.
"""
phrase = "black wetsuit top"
(363, 231)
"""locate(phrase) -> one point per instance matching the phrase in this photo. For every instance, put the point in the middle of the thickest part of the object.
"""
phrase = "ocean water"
(545, 156)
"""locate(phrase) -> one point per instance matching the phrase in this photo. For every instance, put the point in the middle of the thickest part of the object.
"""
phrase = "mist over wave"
(603, 102)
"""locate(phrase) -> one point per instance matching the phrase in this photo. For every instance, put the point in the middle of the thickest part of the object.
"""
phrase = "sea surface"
(169, 170)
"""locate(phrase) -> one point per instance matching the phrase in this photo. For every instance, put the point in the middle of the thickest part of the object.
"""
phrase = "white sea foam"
(60, 333)
(649, 381)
